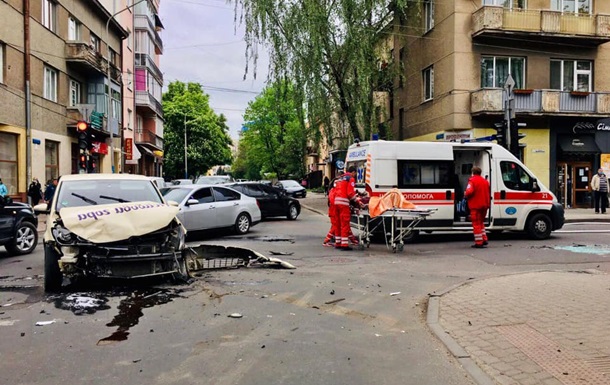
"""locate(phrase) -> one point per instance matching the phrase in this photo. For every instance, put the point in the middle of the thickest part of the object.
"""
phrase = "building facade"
(54, 62)
(457, 56)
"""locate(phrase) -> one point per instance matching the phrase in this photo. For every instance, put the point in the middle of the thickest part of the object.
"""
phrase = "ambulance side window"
(425, 174)
(515, 177)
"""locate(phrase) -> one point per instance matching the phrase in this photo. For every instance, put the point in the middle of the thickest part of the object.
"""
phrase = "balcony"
(144, 22)
(490, 101)
(87, 57)
(145, 100)
(147, 137)
(546, 25)
(144, 60)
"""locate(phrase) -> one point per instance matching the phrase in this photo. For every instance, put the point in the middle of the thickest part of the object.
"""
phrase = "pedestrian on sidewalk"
(479, 200)
(326, 185)
(599, 185)
(3, 189)
(35, 192)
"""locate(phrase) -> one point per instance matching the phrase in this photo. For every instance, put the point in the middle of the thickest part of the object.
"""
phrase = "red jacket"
(477, 193)
(345, 190)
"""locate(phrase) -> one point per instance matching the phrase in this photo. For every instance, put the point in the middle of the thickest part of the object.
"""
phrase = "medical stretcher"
(401, 224)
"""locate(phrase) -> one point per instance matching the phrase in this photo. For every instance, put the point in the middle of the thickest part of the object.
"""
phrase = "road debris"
(394, 293)
(281, 252)
(45, 323)
(205, 257)
(235, 315)
(334, 301)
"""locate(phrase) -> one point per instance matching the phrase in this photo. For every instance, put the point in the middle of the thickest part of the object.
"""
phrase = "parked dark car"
(272, 201)
(292, 188)
(18, 227)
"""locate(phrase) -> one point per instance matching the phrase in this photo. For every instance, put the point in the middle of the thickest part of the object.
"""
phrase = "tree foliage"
(328, 48)
(187, 107)
(275, 140)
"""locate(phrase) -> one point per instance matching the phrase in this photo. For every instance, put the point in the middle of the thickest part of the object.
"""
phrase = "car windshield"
(176, 194)
(76, 193)
(213, 179)
(290, 183)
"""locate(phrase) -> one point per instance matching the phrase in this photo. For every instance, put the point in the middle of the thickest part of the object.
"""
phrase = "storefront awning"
(580, 145)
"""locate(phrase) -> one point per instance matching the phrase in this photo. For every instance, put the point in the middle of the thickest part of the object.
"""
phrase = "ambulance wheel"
(539, 226)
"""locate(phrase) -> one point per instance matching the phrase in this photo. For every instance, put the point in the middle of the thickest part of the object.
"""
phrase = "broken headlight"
(62, 235)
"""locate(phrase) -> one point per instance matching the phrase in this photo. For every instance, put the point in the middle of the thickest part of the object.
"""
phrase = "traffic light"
(82, 129)
(501, 129)
(82, 163)
(515, 137)
(91, 166)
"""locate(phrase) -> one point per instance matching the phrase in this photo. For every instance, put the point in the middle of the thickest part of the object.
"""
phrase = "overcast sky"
(201, 45)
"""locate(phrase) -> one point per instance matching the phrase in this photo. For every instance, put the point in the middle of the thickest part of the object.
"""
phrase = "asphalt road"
(340, 318)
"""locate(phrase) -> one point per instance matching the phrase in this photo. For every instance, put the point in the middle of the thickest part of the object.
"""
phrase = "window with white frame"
(73, 29)
(572, 6)
(129, 80)
(129, 39)
(116, 104)
(74, 93)
(511, 4)
(95, 43)
(428, 15)
(428, 78)
(495, 71)
(1, 63)
(572, 75)
(49, 14)
(50, 84)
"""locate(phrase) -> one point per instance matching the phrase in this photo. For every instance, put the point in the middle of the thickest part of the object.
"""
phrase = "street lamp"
(108, 79)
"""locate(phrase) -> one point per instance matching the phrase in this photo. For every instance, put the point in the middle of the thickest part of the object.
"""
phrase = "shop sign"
(99, 148)
(590, 127)
(128, 148)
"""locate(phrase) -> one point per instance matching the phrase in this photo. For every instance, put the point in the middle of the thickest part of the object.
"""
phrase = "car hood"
(116, 222)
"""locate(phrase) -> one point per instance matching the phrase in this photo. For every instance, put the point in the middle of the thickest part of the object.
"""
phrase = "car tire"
(52, 275)
(293, 212)
(242, 223)
(25, 240)
(539, 226)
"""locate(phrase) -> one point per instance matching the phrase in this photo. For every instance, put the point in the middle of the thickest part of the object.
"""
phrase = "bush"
(317, 189)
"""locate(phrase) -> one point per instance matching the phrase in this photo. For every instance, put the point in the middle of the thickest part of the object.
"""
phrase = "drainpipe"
(28, 94)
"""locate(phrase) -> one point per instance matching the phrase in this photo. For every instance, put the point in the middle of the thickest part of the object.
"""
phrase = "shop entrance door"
(573, 184)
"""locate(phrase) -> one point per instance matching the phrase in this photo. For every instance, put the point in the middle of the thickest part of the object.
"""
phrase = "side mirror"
(174, 203)
(41, 208)
(535, 186)
(192, 202)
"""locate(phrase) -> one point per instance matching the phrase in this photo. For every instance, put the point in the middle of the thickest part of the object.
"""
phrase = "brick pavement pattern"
(546, 328)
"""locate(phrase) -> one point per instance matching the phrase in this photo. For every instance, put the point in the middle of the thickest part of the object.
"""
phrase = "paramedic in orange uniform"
(478, 196)
(345, 192)
(332, 214)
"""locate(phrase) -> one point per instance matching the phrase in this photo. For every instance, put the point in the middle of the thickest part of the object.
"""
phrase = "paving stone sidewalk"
(541, 328)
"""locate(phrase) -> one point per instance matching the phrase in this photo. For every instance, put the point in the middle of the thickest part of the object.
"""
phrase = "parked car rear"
(292, 188)
(273, 202)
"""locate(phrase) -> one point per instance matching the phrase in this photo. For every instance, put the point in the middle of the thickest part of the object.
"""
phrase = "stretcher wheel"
(361, 246)
(400, 247)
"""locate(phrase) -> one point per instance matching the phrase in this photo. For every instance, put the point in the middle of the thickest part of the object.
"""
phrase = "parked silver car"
(206, 207)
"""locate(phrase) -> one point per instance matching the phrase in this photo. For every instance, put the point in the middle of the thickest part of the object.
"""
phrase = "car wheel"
(25, 241)
(293, 212)
(242, 223)
(539, 226)
(52, 275)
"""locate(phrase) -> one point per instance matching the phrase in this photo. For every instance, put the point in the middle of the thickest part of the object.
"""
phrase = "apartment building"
(457, 55)
(54, 61)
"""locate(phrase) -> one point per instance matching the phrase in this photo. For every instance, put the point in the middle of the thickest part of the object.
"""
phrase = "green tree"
(187, 107)
(328, 48)
(274, 140)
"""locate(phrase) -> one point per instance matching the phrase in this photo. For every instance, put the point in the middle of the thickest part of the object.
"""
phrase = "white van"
(435, 175)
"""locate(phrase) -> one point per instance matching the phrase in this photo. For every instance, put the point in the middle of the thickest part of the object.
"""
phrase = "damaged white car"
(112, 226)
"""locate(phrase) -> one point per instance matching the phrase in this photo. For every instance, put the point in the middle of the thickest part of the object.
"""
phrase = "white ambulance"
(435, 175)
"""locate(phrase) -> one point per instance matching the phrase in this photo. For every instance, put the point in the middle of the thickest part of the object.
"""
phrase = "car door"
(276, 203)
(200, 215)
(227, 204)
(6, 222)
(255, 191)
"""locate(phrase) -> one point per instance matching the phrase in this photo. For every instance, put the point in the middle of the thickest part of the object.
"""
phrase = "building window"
(129, 39)
(401, 61)
(116, 104)
(428, 15)
(572, 6)
(49, 16)
(50, 84)
(113, 57)
(495, 70)
(8, 161)
(511, 4)
(129, 80)
(51, 159)
(73, 29)
(74, 93)
(401, 123)
(428, 75)
(571, 75)
(95, 43)
(1, 63)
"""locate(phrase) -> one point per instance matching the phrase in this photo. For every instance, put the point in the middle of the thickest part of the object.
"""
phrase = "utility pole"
(509, 108)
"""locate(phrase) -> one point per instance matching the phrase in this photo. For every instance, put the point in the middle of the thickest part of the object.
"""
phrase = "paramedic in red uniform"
(479, 201)
(344, 193)
(332, 213)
